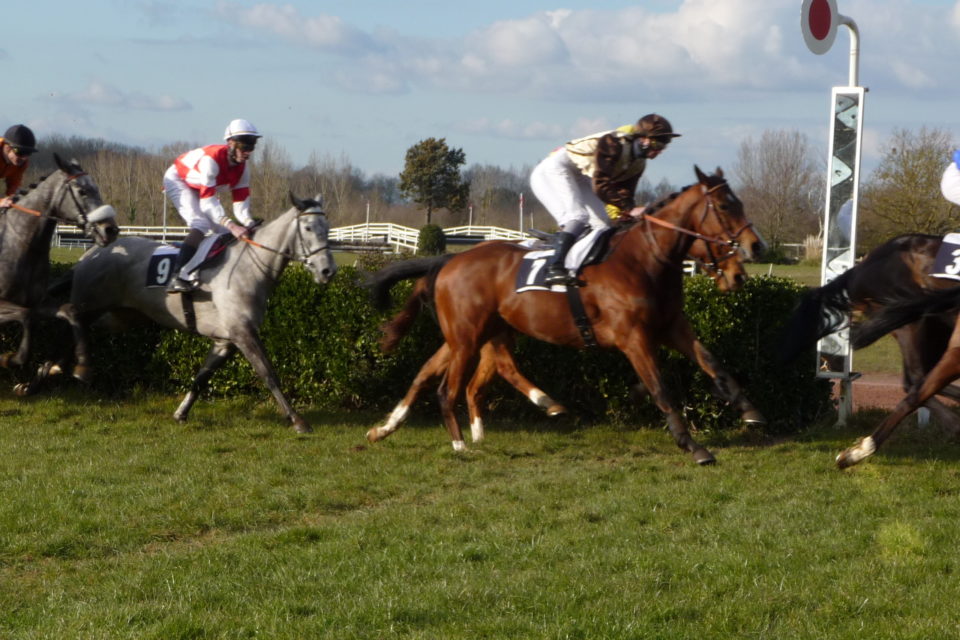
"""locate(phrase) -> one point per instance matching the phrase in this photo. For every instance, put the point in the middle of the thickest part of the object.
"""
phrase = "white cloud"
(699, 48)
(101, 94)
(324, 32)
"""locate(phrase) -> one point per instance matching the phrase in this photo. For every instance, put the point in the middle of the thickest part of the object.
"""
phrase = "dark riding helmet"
(654, 125)
(21, 138)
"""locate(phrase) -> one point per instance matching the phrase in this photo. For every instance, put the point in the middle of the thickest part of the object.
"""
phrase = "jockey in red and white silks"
(193, 183)
(950, 182)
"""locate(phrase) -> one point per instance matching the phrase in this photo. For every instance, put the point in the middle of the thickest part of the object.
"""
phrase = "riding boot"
(178, 284)
(556, 272)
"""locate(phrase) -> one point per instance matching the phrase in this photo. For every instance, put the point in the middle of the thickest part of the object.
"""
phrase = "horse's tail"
(399, 325)
(902, 312)
(380, 282)
(426, 269)
(820, 312)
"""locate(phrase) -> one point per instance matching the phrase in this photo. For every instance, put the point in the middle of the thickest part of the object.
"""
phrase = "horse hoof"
(702, 457)
(556, 410)
(22, 389)
(753, 417)
(856, 454)
(300, 426)
(373, 435)
(81, 372)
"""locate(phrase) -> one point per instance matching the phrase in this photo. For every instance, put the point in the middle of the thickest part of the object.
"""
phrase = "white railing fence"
(374, 236)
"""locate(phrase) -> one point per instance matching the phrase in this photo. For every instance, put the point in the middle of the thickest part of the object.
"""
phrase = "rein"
(40, 214)
(290, 256)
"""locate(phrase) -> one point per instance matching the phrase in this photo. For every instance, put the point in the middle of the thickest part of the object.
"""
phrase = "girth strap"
(580, 317)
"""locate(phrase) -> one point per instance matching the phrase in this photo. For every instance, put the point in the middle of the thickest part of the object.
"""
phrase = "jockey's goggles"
(245, 143)
(656, 144)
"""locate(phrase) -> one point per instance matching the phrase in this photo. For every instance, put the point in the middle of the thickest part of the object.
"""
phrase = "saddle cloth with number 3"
(947, 263)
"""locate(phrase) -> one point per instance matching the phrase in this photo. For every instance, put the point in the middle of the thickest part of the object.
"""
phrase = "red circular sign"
(818, 21)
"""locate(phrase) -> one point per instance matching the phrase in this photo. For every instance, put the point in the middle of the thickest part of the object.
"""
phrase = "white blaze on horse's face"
(97, 219)
(313, 229)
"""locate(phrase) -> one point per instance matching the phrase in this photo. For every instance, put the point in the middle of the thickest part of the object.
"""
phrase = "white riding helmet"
(240, 127)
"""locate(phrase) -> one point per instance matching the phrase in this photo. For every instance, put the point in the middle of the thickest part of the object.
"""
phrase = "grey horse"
(26, 229)
(230, 304)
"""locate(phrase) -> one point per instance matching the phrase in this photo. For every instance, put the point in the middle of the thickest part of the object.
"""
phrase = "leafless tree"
(903, 193)
(781, 185)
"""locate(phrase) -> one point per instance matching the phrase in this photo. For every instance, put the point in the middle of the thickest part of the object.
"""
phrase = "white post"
(164, 197)
(470, 216)
(854, 48)
(520, 228)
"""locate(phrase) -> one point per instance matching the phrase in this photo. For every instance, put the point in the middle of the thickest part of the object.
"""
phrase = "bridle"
(304, 254)
(58, 198)
(729, 242)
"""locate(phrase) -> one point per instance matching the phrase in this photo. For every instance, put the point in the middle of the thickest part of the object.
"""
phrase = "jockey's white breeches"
(567, 193)
(950, 183)
(187, 201)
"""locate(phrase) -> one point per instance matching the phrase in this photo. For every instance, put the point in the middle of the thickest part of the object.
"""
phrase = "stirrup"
(179, 285)
(561, 276)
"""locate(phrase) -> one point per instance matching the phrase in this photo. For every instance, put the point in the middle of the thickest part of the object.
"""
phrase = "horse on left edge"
(26, 230)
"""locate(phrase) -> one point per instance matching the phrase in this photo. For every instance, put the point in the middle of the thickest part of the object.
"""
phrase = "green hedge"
(323, 342)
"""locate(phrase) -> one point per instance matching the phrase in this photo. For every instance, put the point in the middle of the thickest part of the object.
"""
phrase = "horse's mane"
(627, 222)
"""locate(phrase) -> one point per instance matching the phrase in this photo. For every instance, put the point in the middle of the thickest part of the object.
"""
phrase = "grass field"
(117, 522)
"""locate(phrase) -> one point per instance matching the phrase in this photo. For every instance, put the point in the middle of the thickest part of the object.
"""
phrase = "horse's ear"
(60, 163)
(701, 176)
(299, 204)
(318, 198)
(719, 173)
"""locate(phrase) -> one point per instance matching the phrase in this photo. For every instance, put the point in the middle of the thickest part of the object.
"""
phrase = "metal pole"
(854, 49)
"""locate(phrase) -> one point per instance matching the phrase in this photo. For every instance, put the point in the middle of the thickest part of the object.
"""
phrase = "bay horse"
(633, 300)
(26, 230)
(725, 267)
(897, 270)
(231, 302)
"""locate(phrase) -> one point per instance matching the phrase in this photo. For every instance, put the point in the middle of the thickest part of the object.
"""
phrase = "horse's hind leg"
(463, 361)
(219, 353)
(946, 371)
(434, 367)
(683, 339)
(641, 356)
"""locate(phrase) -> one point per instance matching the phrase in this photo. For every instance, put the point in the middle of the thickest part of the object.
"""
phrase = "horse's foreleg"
(507, 368)
(434, 367)
(81, 354)
(219, 353)
(683, 339)
(945, 371)
(641, 355)
(248, 341)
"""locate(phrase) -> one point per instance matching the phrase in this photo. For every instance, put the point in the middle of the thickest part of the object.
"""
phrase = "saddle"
(592, 247)
(209, 253)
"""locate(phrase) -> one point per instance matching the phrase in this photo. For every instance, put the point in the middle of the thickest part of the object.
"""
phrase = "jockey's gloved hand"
(237, 230)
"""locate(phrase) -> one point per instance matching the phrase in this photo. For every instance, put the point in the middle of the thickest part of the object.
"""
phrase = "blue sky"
(504, 81)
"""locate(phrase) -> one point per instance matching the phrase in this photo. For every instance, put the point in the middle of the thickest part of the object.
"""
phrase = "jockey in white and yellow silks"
(193, 182)
(588, 181)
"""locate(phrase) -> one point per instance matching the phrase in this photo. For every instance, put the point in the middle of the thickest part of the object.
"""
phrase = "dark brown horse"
(496, 358)
(633, 300)
(895, 271)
